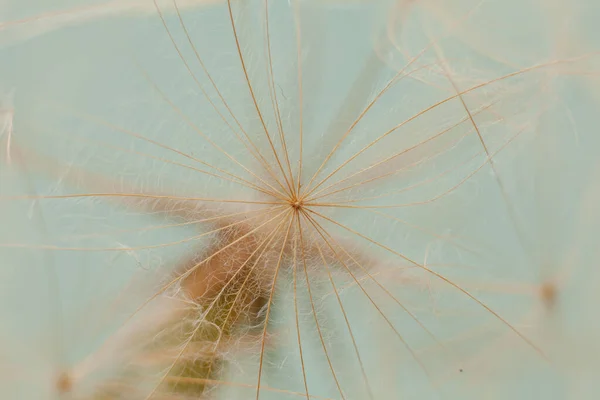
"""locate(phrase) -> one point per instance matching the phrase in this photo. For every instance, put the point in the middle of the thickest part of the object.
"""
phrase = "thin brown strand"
(426, 231)
(295, 273)
(339, 300)
(214, 85)
(447, 192)
(360, 89)
(198, 265)
(510, 208)
(414, 317)
(462, 100)
(390, 83)
(128, 132)
(366, 278)
(258, 156)
(441, 102)
(199, 131)
(274, 100)
(394, 80)
(270, 239)
(391, 173)
(187, 273)
(210, 307)
(319, 228)
(264, 333)
(245, 183)
(404, 189)
(391, 34)
(192, 270)
(441, 277)
(260, 116)
(136, 195)
(297, 22)
(314, 312)
(316, 195)
(124, 248)
(397, 16)
(203, 381)
(311, 191)
(164, 226)
(182, 209)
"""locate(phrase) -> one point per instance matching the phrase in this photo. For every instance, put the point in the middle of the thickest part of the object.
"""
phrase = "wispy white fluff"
(7, 114)
(14, 31)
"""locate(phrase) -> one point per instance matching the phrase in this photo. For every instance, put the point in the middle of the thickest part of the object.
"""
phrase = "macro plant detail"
(260, 199)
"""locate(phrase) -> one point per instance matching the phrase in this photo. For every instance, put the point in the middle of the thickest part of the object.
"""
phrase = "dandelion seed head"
(263, 199)
(64, 384)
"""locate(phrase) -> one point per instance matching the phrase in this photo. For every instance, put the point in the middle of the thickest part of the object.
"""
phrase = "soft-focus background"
(521, 233)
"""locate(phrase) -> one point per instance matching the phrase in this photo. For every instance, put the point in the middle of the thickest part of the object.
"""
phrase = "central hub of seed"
(296, 204)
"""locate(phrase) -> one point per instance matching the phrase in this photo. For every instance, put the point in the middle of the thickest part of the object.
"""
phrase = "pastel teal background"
(55, 70)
